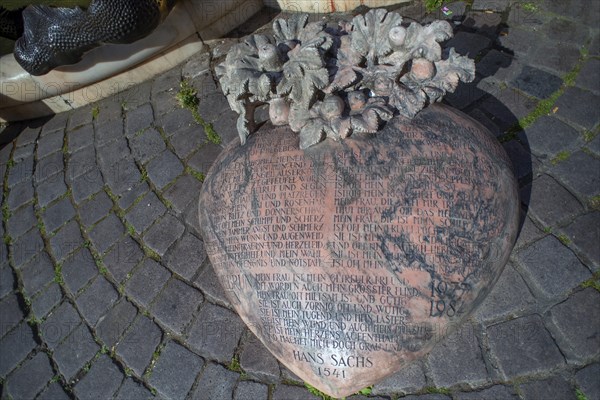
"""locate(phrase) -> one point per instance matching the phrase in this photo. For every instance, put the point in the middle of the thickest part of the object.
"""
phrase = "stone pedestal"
(350, 259)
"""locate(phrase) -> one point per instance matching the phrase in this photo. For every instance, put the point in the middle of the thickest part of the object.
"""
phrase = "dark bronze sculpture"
(60, 36)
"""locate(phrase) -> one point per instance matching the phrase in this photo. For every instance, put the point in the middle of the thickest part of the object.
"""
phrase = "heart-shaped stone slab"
(350, 259)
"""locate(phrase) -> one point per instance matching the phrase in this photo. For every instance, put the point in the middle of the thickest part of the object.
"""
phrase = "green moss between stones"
(593, 282)
(546, 106)
(560, 157)
(579, 395)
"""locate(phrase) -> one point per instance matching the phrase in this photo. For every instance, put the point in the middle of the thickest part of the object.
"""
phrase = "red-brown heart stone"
(350, 259)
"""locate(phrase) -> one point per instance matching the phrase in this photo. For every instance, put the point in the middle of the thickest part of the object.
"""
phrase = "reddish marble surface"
(350, 259)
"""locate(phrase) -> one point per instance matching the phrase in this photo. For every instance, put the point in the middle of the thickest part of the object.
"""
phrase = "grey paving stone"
(57, 214)
(211, 287)
(588, 382)
(28, 136)
(548, 136)
(496, 392)
(584, 233)
(594, 144)
(216, 382)
(75, 351)
(30, 378)
(285, 392)
(176, 120)
(21, 221)
(15, 346)
(66, 240)
(78, 269)
(458, 359)
(147, 281)
(175, 371)
(215, 333)
(58, 121)
(106, 131)
(579, 106)
(550, 202)
(554, 388)
(86, 185)
(165, 103)
(258, 362)
(168, 81)
(110, 108)
(185, 191)
(164, 168)
(122, 257)
(95, 209)
(49, 143)
(145, 212)
(109, 154)
(59, 324)
(491, 5)
(507, 105)
(128, 198)
(101, 382)
(139, 344)
(509, 297)
(50, 168)
(46, 300)
(466, 94)
(107, 232)
(21, 171)
(192, 219)
(498, 64)
(80, 162)
(589, 75)
(26, 247)
(79, 117)
(528, 17)
(580, 172)
(96, 300)
(187, 256)
(146, 145)
(10, 314)
(250, 390)
(553, 268)
(37, 273)
(524, 346)
(138, 119)
(565, 30)
(54, 392)
(578, 319)
(522, 162)
(197, 68)
(536, 82)
(80, 138)
(186, 141)
(176, 305)
(123, 176)
(22, 152)
(469, 44)
(111, 326)
(409, 379)
(163, 234)
(20, 194)
(205, 157)
(7, 279)
(212, 106)
(225, 126)
(560, 57)
(50, 190)
(132, 390)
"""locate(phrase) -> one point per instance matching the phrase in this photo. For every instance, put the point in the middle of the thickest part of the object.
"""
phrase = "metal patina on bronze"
(351, 258)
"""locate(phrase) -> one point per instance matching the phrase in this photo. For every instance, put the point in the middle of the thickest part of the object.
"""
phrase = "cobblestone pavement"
(106, 290)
